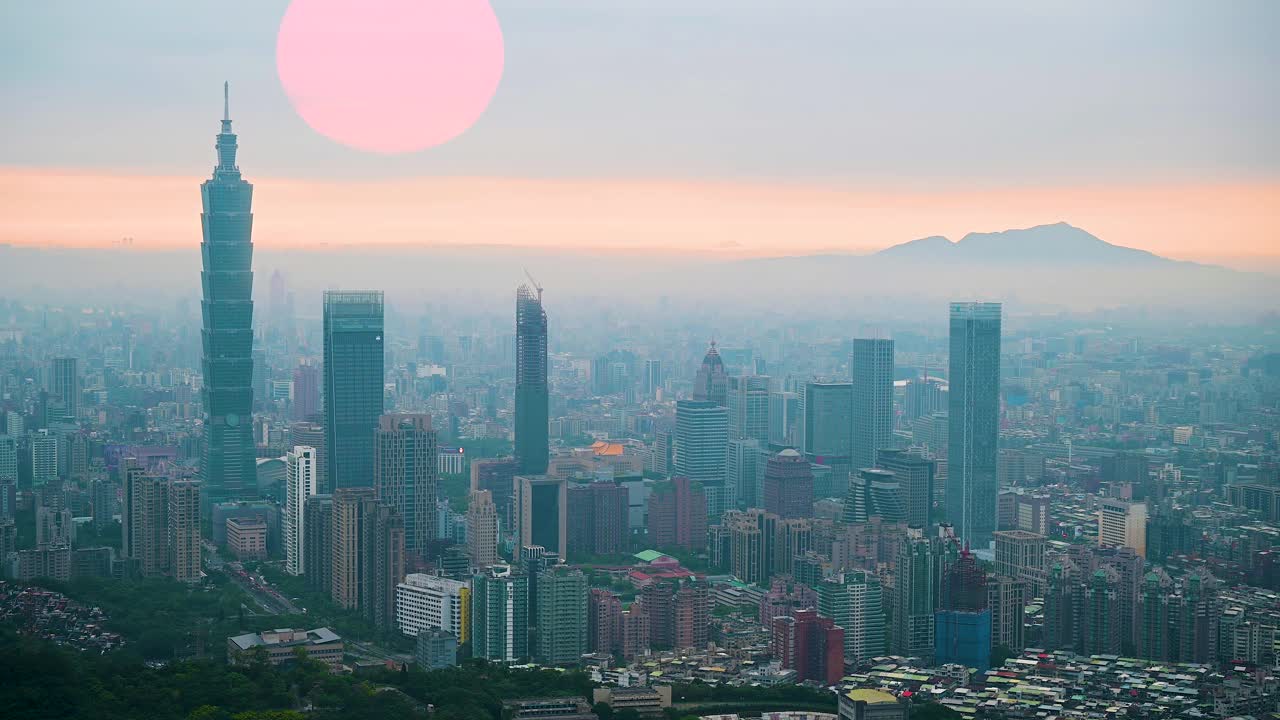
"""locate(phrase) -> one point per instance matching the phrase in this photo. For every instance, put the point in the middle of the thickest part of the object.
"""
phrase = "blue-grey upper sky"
(915, 93)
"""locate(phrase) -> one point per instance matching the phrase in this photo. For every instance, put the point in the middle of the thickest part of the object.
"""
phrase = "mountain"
(1049, 268)
(1057, 243)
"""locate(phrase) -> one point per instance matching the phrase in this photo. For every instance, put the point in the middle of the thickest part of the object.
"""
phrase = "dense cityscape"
(987, 515)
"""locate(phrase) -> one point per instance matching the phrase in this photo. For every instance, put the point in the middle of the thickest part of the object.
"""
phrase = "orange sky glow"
(1232, 223)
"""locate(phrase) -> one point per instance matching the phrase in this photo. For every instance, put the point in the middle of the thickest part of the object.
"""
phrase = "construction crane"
(536, 286)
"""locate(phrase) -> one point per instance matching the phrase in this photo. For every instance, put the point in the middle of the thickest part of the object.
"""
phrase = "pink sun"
(390, 76)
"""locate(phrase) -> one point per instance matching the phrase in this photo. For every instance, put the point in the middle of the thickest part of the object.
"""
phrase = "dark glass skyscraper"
(353, 382)
(872, 374)
(974, 398)
(227, 463)
(531, 382)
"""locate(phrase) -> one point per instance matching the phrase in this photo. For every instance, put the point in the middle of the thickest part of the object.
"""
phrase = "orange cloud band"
(1233, 223)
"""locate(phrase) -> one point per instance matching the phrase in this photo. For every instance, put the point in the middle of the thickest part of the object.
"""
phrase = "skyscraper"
(404, 475)
(227, 462)
(301, 480)
(532, 402)
(598, 519)
(345, 538)
(872, 370)
(64, 384)
(788, 485)
(913, 597)
(144, 520)
(701, 444)
(874, 493)
(482, 529)
(183, 530)
(651, 381)
(784, 416)
(306, 392)
(972, 482)
(855, 601)
(317, 542)
(748, 403)
(711, 383)
(827, 428)
(677, 514)
(541, 508)
(353, 385)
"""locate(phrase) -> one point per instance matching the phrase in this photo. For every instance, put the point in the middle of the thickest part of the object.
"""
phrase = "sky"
(736, 127)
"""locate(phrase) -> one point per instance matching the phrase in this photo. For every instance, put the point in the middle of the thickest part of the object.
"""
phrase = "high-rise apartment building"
(482, 529)
(353, 385)
(500, 615)
(183, 530)
(562, 616)
(974, 415)
(345, 541)
(43, 447)
(913, 596)
(677, 514)
(855, 601)
(144, 531)
(306, 393)
(227, 462)
(301, 482)
(914, 474)
(788, 485)
(8, 460)
(871, 366)
(810, 644)
(311, 434)
(1007, 599)
(711, 382)
(679, 613)
(541, 507)
(701, 446)
(1122, 524)
(532, 398)
(604, 614)
(1020, 554)
(405, 475)
(317, 542)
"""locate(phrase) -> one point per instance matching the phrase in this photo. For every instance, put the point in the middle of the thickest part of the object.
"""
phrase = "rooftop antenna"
(536, 286)
(226, 101)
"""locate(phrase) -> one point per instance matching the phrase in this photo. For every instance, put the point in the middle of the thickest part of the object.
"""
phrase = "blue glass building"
(227, 464)
(353, 385)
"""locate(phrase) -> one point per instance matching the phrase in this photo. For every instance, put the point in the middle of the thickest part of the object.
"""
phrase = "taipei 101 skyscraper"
(227, 463)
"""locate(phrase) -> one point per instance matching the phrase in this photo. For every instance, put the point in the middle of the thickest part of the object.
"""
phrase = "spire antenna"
(226, 101)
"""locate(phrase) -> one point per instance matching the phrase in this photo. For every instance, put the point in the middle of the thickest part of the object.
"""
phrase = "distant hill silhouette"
(1055, 243)
(1043, 269)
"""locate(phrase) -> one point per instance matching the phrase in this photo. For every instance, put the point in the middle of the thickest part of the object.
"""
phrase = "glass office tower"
(227, 462)
(974, 400)
(353, 385)
(531, 382)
